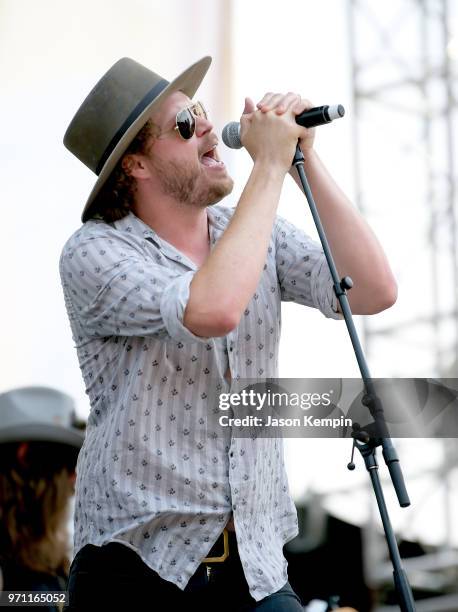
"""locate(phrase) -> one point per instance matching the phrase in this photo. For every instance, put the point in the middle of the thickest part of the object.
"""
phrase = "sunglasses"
(185, 120)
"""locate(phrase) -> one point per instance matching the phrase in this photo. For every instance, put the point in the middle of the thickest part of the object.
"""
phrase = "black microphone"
(309, 118)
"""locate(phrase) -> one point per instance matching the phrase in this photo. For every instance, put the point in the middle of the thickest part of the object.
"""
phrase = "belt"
(221, 545)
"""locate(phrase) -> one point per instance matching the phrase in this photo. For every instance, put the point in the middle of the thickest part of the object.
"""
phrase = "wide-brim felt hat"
(115, 111)
(39, 414)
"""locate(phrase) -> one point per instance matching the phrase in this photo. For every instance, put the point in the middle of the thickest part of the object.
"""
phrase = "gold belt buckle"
(225, 554)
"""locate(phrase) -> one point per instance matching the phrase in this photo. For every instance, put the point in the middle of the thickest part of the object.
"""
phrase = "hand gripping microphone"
(309, 118)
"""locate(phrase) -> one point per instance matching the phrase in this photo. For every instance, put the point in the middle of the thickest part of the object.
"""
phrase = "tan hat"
(39, 413)
(116, 110)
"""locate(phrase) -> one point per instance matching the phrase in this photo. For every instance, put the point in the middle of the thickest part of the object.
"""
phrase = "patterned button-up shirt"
(154, 473)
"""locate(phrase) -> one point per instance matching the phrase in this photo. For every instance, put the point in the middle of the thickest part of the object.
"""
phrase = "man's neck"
(182, 225)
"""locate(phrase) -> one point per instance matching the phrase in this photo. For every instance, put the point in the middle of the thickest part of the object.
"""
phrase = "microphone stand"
(375, 434)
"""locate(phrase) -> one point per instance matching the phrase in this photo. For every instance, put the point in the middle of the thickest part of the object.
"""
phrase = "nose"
(203, 126)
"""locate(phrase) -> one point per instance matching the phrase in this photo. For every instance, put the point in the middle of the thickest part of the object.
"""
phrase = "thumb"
(249, 106)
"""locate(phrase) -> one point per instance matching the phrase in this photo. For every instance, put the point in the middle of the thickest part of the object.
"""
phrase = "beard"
(188, 184)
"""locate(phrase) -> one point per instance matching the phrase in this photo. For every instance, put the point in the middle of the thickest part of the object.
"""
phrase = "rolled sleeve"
(172, 306)
(114, 288)
(323, 294)
(302, 270)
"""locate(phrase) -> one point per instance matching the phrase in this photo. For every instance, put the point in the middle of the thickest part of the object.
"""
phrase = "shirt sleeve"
(114, 287)
(302, 270)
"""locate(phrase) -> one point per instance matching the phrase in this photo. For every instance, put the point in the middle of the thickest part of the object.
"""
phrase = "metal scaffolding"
(403, 58)
(404, 108)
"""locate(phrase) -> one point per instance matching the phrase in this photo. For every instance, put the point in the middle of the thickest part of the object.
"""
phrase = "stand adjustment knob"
(346, 283)
(351, 466)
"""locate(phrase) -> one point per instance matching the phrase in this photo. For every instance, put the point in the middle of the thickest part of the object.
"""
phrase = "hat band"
(153, 93)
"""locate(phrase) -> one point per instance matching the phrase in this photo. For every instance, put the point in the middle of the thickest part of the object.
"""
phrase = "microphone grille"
(231, 135)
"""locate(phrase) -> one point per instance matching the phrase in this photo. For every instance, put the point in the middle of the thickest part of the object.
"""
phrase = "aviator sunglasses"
(185, 120)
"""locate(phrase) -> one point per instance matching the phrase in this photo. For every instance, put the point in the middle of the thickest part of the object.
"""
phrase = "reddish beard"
(188, 184)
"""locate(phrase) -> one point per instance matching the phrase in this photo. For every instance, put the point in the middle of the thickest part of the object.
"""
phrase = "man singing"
(167, 293)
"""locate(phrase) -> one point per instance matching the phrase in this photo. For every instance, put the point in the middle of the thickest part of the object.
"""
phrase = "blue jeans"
(115, 577)
(284, 600)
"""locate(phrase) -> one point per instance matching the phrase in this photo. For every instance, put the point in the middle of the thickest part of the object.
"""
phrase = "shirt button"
(231, 349)
(231, 454)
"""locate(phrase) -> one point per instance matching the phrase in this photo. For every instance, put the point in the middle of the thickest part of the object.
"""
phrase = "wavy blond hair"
(34, 504)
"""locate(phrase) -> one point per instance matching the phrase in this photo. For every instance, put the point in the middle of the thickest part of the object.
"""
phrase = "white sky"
(51, 54)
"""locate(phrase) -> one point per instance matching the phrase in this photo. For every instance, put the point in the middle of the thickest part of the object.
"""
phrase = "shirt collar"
(135, 226)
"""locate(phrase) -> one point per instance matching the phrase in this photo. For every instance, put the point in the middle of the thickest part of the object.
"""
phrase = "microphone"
(309, 118)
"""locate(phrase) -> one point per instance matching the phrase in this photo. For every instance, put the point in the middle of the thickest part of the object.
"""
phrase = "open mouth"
(210, 158)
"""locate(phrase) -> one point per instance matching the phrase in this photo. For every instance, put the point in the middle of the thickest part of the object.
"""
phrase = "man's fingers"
(265, 100)
(289, 101)
(283, 102)
(269, 102)
(301, 105)
(249, 106)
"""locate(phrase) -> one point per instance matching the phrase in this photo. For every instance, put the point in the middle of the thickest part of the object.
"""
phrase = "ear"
(134, 165)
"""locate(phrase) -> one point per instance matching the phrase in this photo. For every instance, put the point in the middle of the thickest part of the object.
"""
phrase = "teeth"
(208, 154)
(210, 150)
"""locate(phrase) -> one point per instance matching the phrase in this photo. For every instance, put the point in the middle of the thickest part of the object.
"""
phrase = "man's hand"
(270, 134)
(291, 101)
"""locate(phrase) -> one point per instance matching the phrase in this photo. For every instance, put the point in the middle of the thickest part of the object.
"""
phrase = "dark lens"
(186, 124)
